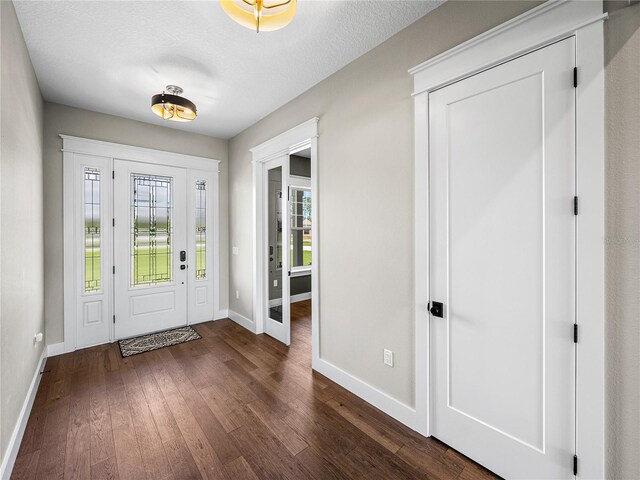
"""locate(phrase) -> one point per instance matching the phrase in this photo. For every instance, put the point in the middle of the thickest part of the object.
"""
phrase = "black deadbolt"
(183, 267)
(437, 309)
(183, 255)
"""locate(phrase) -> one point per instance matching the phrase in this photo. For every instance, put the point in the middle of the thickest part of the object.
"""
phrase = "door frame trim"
(537, 28)
(71, 146)
(291, 141)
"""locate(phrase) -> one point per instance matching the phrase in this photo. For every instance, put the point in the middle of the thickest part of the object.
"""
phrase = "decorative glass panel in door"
(92, 230)
(151, 230)
(201, 229)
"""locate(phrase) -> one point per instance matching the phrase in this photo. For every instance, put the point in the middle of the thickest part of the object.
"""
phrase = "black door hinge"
(113, 222)
(114, 269)
(575, 205)
(575, 333)
(113, 174)
(575, 465)
(114, 319)
(575, 77)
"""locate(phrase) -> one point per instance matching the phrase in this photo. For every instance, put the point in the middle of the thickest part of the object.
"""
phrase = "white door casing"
(154, 191)
(502, 185)
(298, 138)
(203, 295)
(536, 28)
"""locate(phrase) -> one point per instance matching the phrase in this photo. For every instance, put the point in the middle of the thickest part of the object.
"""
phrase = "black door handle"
(437, 309)
(183, 255)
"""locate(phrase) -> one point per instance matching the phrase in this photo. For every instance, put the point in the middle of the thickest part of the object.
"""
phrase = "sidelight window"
(92, 228)
(201, 229)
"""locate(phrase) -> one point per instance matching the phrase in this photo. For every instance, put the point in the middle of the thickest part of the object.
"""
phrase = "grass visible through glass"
(151, 230)
(92, 226)
(201, 229)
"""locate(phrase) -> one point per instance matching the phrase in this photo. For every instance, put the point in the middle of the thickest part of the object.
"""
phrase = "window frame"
(300, 183)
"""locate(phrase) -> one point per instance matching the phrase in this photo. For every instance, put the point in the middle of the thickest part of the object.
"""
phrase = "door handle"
(437, 309)
(183, 255)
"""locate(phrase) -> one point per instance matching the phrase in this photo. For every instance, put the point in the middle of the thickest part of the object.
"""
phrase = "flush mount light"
(171, 106)
(260, 15)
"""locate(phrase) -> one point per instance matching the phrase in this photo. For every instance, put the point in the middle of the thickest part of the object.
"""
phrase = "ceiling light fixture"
(260, 15)
(171, 106)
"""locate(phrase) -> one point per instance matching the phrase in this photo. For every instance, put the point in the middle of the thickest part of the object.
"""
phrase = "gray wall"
(83, 123)
(21, 233)
(366, 126)
(299, 166)
(365, 155)
(622, 81)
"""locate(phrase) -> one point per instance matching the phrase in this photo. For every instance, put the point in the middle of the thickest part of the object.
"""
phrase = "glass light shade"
(260, 15)
(173, 107)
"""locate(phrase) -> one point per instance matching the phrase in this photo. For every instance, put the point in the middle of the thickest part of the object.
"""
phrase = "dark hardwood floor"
(231, 405)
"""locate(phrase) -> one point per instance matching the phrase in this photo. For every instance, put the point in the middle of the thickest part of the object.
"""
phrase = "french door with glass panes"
(278, 255)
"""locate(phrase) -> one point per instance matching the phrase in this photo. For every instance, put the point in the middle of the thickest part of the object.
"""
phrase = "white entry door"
(278, 249)
(150, 248)
(502, 265)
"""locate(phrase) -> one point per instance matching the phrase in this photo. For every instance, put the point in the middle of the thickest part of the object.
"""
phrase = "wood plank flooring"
(232, 405)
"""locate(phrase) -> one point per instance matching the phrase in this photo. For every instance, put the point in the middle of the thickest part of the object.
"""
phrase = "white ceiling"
(112, 56)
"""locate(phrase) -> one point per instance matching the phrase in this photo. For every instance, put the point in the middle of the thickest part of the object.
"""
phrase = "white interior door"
(278, 250)
(150, 236)
(502, 263)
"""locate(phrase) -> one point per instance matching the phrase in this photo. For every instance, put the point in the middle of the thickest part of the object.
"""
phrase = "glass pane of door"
(275, 243)
(151, 230)
(275, 195)
(274, 219)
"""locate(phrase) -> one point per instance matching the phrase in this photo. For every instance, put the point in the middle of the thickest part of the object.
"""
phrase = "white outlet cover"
(388, 357)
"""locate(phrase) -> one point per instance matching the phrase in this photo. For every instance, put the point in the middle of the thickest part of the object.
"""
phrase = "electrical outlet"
(37, 338)
(388, 357)
(234, 250)
(237, 293)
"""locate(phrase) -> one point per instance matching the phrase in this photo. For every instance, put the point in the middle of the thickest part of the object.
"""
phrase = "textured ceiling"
(112, 56)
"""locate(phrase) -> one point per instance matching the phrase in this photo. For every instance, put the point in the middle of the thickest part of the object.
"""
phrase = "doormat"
(154, 341)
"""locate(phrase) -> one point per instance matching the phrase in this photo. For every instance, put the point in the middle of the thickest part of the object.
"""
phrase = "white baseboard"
(300, 297)
(243, 321)
(16, 437)
(389, 405)
(55, 349)
(220, 314)
(292, 299)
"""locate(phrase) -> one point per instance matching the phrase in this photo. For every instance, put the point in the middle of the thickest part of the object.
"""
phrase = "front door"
(502, 259)
(150, 245)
